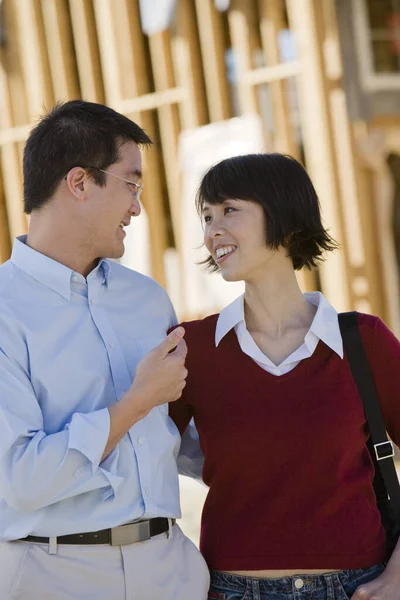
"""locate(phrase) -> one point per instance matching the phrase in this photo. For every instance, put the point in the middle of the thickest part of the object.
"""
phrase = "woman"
(291, 510)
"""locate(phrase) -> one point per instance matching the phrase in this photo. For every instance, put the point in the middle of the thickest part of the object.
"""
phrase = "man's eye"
(207, 219)
(228, 209)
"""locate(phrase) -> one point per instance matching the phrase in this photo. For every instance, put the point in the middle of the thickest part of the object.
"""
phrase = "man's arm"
(37, 469)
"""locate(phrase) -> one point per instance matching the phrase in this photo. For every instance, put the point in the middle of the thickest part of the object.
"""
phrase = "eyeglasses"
(136, 191)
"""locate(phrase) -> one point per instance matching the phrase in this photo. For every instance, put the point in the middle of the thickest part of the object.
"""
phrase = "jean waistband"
(305, 583)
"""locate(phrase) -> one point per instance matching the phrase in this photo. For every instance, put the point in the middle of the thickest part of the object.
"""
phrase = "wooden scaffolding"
(55, 50)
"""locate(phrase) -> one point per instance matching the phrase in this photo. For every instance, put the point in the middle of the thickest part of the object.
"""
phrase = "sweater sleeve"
(383, 351)
(180, 413)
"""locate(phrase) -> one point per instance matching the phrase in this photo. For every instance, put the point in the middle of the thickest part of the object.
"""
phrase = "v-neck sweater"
(286, 460)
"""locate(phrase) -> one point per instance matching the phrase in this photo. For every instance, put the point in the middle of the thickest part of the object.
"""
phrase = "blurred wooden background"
(178, 79)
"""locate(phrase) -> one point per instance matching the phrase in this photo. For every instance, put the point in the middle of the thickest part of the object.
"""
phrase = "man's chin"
(116, 252)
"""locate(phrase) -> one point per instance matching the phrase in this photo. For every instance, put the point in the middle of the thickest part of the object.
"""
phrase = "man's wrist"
(135, 404)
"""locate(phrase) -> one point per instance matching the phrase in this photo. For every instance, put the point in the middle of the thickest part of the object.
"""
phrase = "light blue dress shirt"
(69, 348)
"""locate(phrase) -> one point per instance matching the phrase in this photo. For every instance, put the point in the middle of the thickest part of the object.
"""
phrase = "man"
(88, 478)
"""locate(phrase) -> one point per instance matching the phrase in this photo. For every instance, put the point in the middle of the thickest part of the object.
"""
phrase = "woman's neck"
(276, 304)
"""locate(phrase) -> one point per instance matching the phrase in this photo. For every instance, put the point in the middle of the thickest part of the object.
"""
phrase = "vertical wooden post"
(5, 242)
(318, 139)
(243, 32)
(58, 33)
(271, 23)
(213, 55)
(12, 108)
(125, 76)
(86, 50)
(161, 57)
(359, 219)
(34, 57)
(188, 67)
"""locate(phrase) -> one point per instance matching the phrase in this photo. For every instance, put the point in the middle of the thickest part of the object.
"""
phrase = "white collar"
(325, 325)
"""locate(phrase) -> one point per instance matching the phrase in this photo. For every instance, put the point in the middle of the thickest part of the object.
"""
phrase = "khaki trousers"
(162, 568)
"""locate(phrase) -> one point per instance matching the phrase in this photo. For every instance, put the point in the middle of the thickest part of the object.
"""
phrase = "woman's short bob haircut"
(284, 190)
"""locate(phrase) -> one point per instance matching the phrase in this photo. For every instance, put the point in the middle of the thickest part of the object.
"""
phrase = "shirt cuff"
(88, 433)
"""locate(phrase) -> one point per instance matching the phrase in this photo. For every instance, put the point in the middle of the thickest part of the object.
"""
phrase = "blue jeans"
(335, 586)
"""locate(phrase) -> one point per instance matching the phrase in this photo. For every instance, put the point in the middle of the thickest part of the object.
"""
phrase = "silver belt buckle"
(130, 534)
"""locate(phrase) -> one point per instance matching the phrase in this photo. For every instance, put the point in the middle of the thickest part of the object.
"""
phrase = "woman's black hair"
(283, 188)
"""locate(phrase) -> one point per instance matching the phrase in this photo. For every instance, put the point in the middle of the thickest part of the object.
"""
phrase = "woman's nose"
(216, 228)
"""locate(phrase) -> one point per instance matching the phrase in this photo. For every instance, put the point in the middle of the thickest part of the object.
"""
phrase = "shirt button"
(147, 491)
(112, 346)
(140, 441)
(75, 278)
(298, 584)
(93, 301)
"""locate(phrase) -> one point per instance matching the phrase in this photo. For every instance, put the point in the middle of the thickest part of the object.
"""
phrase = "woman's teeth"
(220, 252)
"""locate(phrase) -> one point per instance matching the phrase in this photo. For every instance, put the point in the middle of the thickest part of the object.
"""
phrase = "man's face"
(109, 208)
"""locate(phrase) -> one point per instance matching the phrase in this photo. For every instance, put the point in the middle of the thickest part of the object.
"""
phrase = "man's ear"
(77, 181)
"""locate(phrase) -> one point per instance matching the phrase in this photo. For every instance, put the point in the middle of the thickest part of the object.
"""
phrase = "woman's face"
(234, 235)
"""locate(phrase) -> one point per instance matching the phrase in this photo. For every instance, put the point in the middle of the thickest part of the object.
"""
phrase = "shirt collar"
(229, 317)
(47, 271)
(325, 325)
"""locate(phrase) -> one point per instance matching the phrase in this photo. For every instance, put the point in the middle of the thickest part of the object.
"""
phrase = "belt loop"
(53, 545)
(169, 532)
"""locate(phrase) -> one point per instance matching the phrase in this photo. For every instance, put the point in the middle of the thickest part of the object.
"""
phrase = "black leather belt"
(129, 533)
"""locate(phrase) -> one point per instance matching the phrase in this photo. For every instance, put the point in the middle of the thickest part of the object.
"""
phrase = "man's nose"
(136, 208)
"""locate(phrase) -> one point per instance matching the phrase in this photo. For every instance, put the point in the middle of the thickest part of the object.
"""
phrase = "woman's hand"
(384, 587)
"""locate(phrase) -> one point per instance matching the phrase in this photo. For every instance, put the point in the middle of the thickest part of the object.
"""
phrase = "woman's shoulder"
(374, 331)
(200, 333)
(200, 327)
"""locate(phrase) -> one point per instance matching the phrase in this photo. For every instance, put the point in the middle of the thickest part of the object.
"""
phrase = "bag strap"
(381, 448)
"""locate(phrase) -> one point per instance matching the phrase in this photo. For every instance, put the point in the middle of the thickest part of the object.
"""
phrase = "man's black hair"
(73, 134)
(290, 203)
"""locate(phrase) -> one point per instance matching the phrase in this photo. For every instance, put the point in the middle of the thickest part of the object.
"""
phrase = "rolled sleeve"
(39, 469)
(88, 433)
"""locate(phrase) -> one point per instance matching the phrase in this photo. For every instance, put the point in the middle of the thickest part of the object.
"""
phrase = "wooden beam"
(271, 24)
(243, 33)
(318, 144)
(12, 108)
(161, 58)
(61, 54)
(137, 103)
(154, 100)
(5, 242)
(86, 50)
(34, 57)
(271, 74)
(188, 67)
(105, 23)
(212, 45)
(356, 203)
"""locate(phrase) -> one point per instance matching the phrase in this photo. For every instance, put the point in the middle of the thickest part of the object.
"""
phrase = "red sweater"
(286, 460)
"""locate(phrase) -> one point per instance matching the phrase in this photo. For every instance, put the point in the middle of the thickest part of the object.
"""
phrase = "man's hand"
(160, 375)
(160, 378)
(384, 587)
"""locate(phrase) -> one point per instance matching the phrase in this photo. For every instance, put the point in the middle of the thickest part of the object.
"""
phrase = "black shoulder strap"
(381, 448)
